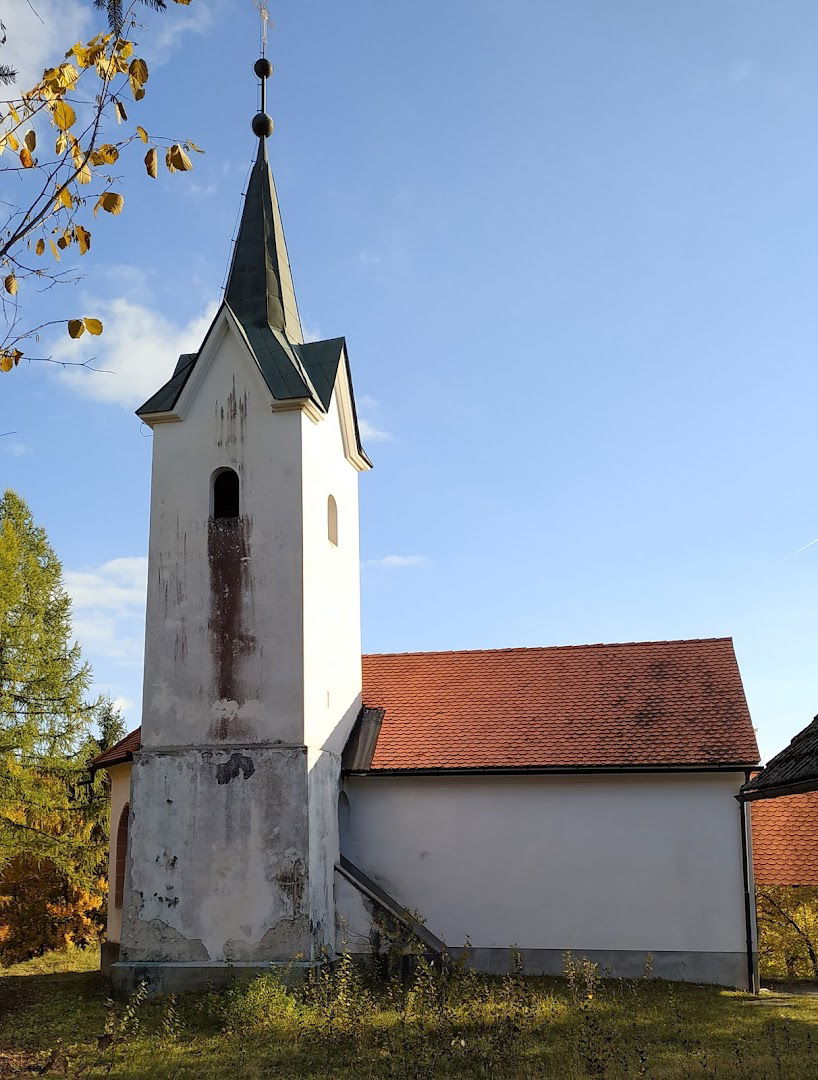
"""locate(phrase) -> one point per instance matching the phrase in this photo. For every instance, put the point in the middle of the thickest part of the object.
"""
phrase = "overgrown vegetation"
(788, 931)
(424, 1022)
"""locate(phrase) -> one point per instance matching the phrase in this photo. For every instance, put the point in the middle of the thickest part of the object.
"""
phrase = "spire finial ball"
(262, 125)
(263, 68)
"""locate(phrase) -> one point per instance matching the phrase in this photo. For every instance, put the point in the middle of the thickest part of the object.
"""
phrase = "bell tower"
(252, 676)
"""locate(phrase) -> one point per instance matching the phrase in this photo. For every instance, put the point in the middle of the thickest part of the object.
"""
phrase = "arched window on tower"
(119, 856)
(225, 494)
(332, 520)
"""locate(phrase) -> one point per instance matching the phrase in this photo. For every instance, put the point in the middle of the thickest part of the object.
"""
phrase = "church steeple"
(260, 285)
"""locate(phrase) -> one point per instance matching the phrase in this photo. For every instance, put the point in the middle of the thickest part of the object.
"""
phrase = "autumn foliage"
(82, 100)
(788, 931)
(53, 815)
(42, 909)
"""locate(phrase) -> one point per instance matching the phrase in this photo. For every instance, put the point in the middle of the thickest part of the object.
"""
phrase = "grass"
(54, 1017)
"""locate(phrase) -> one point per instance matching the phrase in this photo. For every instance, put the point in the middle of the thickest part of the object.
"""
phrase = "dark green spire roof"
(260, 285)
(260, 297)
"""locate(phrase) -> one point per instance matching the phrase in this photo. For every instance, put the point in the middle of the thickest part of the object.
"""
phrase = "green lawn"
(54, 1017)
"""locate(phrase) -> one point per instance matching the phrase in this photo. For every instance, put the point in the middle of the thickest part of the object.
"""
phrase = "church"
(287, 798)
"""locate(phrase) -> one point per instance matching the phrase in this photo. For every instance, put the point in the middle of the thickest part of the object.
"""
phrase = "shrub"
(788, 931)
(40, 909)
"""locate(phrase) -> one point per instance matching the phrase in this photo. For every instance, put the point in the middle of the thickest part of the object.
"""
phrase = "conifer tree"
(48, 808)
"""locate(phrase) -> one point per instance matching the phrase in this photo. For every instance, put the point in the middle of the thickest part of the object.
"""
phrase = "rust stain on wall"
(230, 640)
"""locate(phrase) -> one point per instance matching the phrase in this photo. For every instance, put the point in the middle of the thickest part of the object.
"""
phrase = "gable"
(296, 375)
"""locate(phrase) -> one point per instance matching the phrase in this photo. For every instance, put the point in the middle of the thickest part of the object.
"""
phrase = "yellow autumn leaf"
(63, 115)
(67, 75)
(151, 163)
(140, 131)
(78, 51)
(93, 326)
(10, 285)
(14, 114)
(54, 251)
(76, 328)
(110, 202)
(84, 175)
(191, 145)
(120, 112)
(138, 93)
(61, 143)
(83, 238)
(39, 247)
(64, 199)
(138, 71)
(124, 48)
(26, 160)
(9, 360)
(106, 154)
(108, 67)
(11, 139)
(30, 140)
(177, 160)
(185, 2)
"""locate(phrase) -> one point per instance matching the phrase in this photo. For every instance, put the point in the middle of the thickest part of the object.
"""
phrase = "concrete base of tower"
(160, 979)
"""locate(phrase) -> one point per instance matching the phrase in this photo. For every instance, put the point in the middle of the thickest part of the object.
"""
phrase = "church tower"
(252, 654)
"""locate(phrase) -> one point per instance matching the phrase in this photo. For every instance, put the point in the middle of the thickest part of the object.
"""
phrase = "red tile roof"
(119, 752)
(643, 704)
(640, 704)
(785, 840)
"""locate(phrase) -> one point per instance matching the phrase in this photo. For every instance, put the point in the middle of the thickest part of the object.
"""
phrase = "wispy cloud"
(371, 433)
(109, 608)
(173, 28)
(397, 562)
(798, 551)
(138, 350)
(203, 191)
(16, 449)
(39, 33)
(369, 258)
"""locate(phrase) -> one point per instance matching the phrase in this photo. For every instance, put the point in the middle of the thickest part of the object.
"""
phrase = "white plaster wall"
(228, 422)
(596, 863)
(323, 787)
(332, 588)
(120, 794)
(353, 918)
(219, 852)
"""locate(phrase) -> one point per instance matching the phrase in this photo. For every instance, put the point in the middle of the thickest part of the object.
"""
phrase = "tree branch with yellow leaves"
(82, 101)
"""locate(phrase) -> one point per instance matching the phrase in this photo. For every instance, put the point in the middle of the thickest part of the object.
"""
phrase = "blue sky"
(574, 250)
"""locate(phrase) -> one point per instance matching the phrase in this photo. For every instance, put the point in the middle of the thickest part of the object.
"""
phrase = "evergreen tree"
(48, 807)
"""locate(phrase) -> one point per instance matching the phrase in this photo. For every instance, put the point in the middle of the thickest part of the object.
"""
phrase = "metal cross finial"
(262, 123)
(264, 17)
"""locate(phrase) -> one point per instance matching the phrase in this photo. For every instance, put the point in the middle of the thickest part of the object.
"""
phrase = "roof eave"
(122, 759)
(554, 770)
(775, 791)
